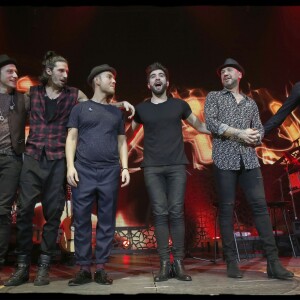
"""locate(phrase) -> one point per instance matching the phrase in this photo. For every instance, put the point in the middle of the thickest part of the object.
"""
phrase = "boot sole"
(40, 283)
(280, 277)
(9, 284)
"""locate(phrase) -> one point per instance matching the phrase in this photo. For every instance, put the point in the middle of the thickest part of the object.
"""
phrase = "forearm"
(123, 152)
(70, 152)
(232, 132)
(197, 124)
(117, 104)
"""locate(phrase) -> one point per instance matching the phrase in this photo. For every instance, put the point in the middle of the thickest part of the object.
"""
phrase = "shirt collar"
(225, 91)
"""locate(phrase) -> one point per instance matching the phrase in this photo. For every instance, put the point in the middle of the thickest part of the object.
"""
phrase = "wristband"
(124, 169)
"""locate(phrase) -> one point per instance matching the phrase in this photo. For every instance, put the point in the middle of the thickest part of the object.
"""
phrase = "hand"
(128, 107)
(125, 177)
(72, 177)
(249, 135)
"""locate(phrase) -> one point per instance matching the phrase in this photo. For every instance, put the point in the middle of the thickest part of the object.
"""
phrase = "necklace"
(1, 116)
(11, 107)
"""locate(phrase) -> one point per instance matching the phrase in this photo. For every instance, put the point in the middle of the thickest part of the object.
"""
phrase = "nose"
(15, 75)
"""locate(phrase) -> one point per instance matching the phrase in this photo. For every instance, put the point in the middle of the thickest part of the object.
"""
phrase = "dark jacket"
(288, 106)
(17, 121)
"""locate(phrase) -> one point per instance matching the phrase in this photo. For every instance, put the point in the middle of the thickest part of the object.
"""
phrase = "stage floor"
(133, 275)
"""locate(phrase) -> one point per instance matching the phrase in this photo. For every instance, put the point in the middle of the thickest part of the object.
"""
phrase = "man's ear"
(148, 85)
(48, 71)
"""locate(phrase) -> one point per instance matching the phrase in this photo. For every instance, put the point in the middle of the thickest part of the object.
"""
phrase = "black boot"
(21, 274)
(274, 267)
(165, 271)
(179, 271)
(233, 270)
(229, 247)
(276, 270)
(42, 276)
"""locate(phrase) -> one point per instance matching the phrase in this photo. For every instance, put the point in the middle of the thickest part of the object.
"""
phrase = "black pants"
(166, 187)
(251, 181)
(40, 181)
(10, 168)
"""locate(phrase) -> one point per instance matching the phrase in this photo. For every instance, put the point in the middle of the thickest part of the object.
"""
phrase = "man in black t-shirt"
(164, 167)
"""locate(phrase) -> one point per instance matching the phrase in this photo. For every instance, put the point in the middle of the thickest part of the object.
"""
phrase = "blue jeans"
(251, 181)
(166, 187)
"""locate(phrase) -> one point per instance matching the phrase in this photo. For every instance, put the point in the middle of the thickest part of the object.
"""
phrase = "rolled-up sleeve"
(211, 112)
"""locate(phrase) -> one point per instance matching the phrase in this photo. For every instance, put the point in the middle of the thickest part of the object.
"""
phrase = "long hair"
(50, 60)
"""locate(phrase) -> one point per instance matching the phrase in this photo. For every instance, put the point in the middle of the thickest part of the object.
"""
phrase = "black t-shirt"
(163, 139)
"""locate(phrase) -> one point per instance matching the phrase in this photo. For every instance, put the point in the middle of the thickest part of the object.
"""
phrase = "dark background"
(190, 40)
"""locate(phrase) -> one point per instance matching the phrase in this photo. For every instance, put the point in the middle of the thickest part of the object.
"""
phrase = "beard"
(160, 90)
(230, 84)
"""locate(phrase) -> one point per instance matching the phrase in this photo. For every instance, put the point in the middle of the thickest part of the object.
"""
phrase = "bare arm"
(123, 152)
(71, 143)
(197, 124)
(126, 105)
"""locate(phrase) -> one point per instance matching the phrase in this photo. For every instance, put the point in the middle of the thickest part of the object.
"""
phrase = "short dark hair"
(156, 66)
(50, 60)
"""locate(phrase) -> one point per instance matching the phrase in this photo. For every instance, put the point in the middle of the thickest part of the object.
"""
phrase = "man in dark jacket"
(13, 111)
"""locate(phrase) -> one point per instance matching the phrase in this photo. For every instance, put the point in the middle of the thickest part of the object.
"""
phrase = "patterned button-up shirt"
(221, 110)
(49, 135)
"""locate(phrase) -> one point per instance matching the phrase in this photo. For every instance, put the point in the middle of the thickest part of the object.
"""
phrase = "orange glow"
(24, 83)
(126, 244)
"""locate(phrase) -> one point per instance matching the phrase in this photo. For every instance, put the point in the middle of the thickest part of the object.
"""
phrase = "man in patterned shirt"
(44, 167)
(233, 118)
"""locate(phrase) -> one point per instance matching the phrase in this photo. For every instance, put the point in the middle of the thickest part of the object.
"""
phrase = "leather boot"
(233, 270)
(274, 267)
(165, 271)
(276, 270)
(42, 276)
(21, 275)
(179, 271)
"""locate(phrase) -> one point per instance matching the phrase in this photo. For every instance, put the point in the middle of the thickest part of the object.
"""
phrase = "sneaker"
(101, 277)
(81, 277)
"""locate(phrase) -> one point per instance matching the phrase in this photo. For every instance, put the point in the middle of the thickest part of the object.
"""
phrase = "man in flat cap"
(13, 112)
(43, 172)
(96, 137)
(233, 118)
